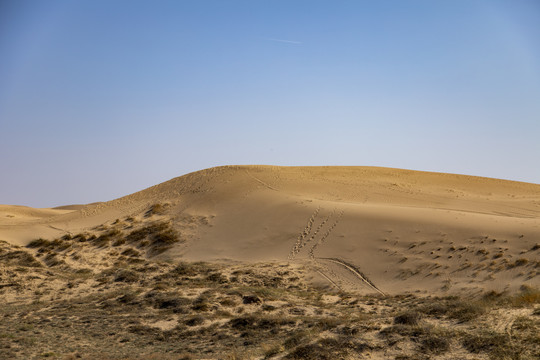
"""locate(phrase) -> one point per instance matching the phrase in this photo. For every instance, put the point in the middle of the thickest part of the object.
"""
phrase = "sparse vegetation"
(435, 344)
(408, 318)
(157, 209)
(19, 258)
(130, 302)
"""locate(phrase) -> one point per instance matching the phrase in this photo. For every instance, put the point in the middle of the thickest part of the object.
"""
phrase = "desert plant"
(19, 258)
(157, 209)
(131, 252)
(105, 239)
(494, 344)
(38, 243)
(434, 343)
(127, 276)
(408, 318)
(194, 320)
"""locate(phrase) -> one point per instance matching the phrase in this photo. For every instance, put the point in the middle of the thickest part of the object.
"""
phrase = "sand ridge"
(365, 229)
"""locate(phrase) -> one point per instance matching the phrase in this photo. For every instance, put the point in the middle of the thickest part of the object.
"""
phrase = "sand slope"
(368, 229)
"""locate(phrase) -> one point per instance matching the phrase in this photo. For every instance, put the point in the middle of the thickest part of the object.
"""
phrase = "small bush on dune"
(517, 263)
(435, 344)
(404, 330)
(527, 296)
(455, 309)
(130, 252)
(119, 242)
(159, 235)
(80, 238)
(157, 209)
(106, 238)
(165, 237)
(296, 339)
(169, 300)
(311, 352)
(491, 343)
(259, 323)
(52, 260)
(57, 244)
(408, 318)
(194, 320)
(38, 243)
(185, 269)
(19, 258)
(464, 312)
(127, 276)
(328, 348)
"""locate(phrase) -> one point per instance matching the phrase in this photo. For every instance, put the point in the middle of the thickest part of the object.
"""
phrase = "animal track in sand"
(326, 234)
(318, 237)
(300, 240)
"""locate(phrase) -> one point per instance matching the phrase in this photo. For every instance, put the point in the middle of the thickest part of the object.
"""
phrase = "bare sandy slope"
(374, 230)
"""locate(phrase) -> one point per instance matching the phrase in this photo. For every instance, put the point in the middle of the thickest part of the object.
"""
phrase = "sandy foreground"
(279, 262)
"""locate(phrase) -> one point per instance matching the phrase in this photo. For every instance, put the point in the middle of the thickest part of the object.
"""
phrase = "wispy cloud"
(284, 41)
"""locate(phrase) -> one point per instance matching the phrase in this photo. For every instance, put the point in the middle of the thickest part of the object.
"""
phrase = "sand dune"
(365, 229)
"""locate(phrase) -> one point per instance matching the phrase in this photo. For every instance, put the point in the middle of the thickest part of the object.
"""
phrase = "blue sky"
(99, 99)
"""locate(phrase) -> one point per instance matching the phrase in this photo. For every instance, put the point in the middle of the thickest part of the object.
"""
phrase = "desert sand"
(265, 262)
(406, 231)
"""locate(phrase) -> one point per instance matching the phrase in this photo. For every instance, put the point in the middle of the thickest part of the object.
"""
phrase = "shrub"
(194, 320)
(118, 242)
(489, 343)
(251, 299)
(157, 209)
(297, 338)
(518, 262)
(105, 238)
(258, 323)
(464, 312)
(127, 276)
(38, 243)
(130, 252)
(52, 260)
(80, 237)
(311, 352)
(403, 330)
(169, 300)
(160, 235)
(328, 348)
(19, 258)
(435, 344)
(408, 318)
(527, 296)
(190, 269)
(127, 298)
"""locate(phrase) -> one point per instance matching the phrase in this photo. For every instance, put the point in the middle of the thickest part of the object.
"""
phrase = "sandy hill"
(374, 230)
